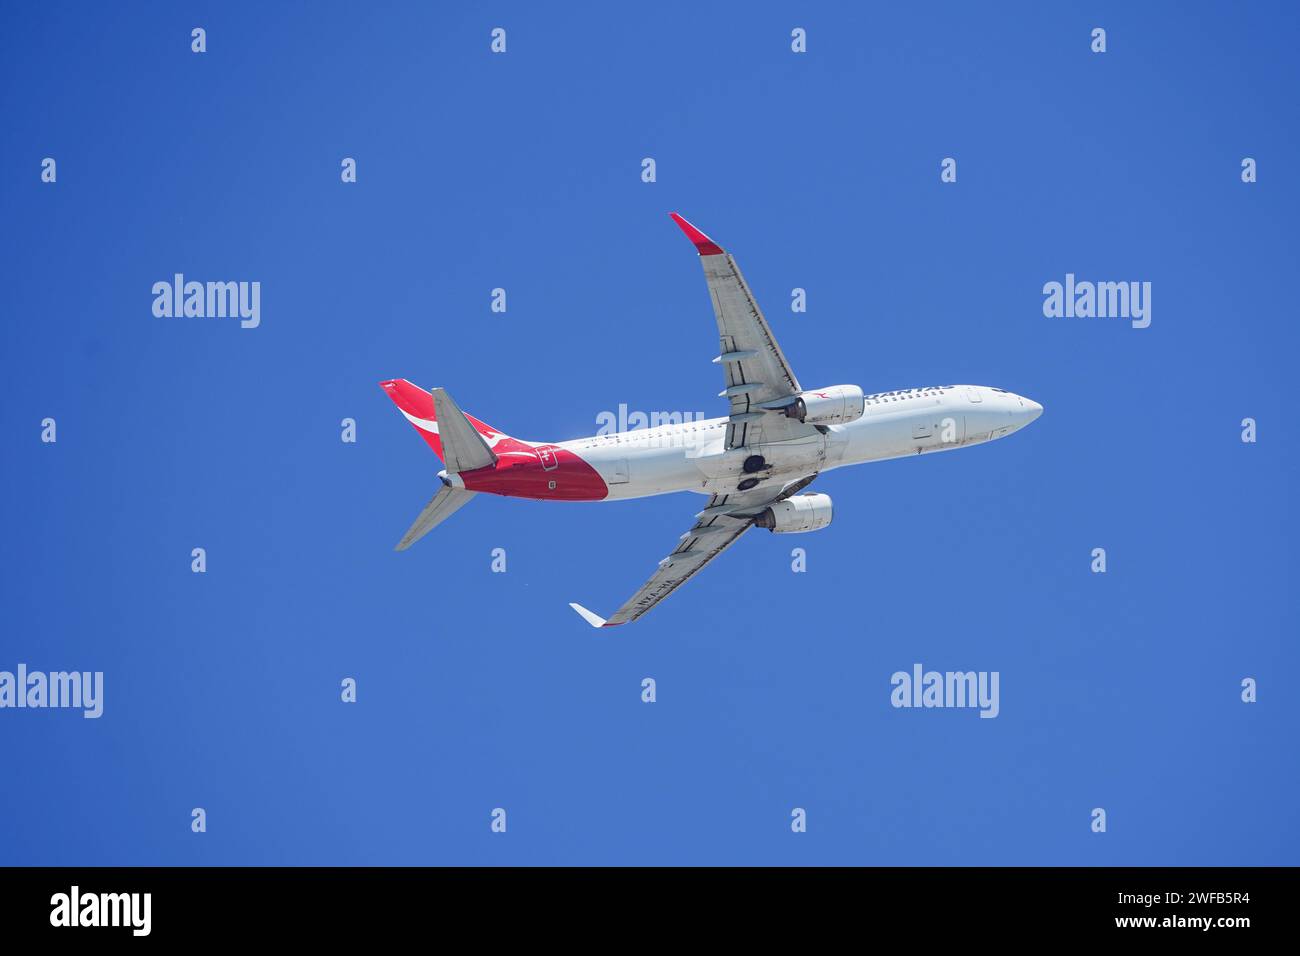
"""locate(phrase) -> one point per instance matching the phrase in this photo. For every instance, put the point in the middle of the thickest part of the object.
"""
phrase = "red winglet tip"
(703, 244)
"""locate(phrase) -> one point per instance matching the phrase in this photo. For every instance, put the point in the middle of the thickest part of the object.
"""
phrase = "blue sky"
(480, 690)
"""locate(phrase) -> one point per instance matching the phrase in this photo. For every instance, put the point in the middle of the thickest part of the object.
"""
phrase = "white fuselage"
(692, 456)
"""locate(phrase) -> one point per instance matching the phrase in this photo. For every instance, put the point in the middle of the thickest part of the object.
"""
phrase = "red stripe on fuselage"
(528, 471)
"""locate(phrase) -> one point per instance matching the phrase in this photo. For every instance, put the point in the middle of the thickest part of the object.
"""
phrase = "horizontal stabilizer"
(445, 503)
(463, 448)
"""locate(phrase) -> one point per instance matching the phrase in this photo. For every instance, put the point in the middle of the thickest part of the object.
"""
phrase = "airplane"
(754, 463)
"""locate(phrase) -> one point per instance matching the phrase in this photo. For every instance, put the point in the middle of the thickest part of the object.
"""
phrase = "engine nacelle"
(836, 405)
(796, 514)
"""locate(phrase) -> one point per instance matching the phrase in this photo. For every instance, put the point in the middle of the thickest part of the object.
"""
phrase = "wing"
(716, 528)
(755, 369)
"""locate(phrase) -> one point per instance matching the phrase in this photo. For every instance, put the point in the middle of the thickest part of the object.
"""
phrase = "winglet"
(595, 620)
(705, 245)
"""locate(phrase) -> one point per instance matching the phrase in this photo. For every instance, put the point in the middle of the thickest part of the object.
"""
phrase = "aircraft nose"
(1032, 410)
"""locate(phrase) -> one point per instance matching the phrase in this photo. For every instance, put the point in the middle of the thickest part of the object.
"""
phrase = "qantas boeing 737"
(753, 464)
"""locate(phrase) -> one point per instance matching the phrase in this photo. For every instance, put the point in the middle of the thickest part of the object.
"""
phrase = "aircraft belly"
(722, 471)
(887, 433)
(632, 470)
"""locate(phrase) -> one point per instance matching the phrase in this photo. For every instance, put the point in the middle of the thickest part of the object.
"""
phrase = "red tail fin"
(417, 405)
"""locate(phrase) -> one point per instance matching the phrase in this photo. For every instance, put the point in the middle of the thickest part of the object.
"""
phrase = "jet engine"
(836, 405)
(796, 514)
